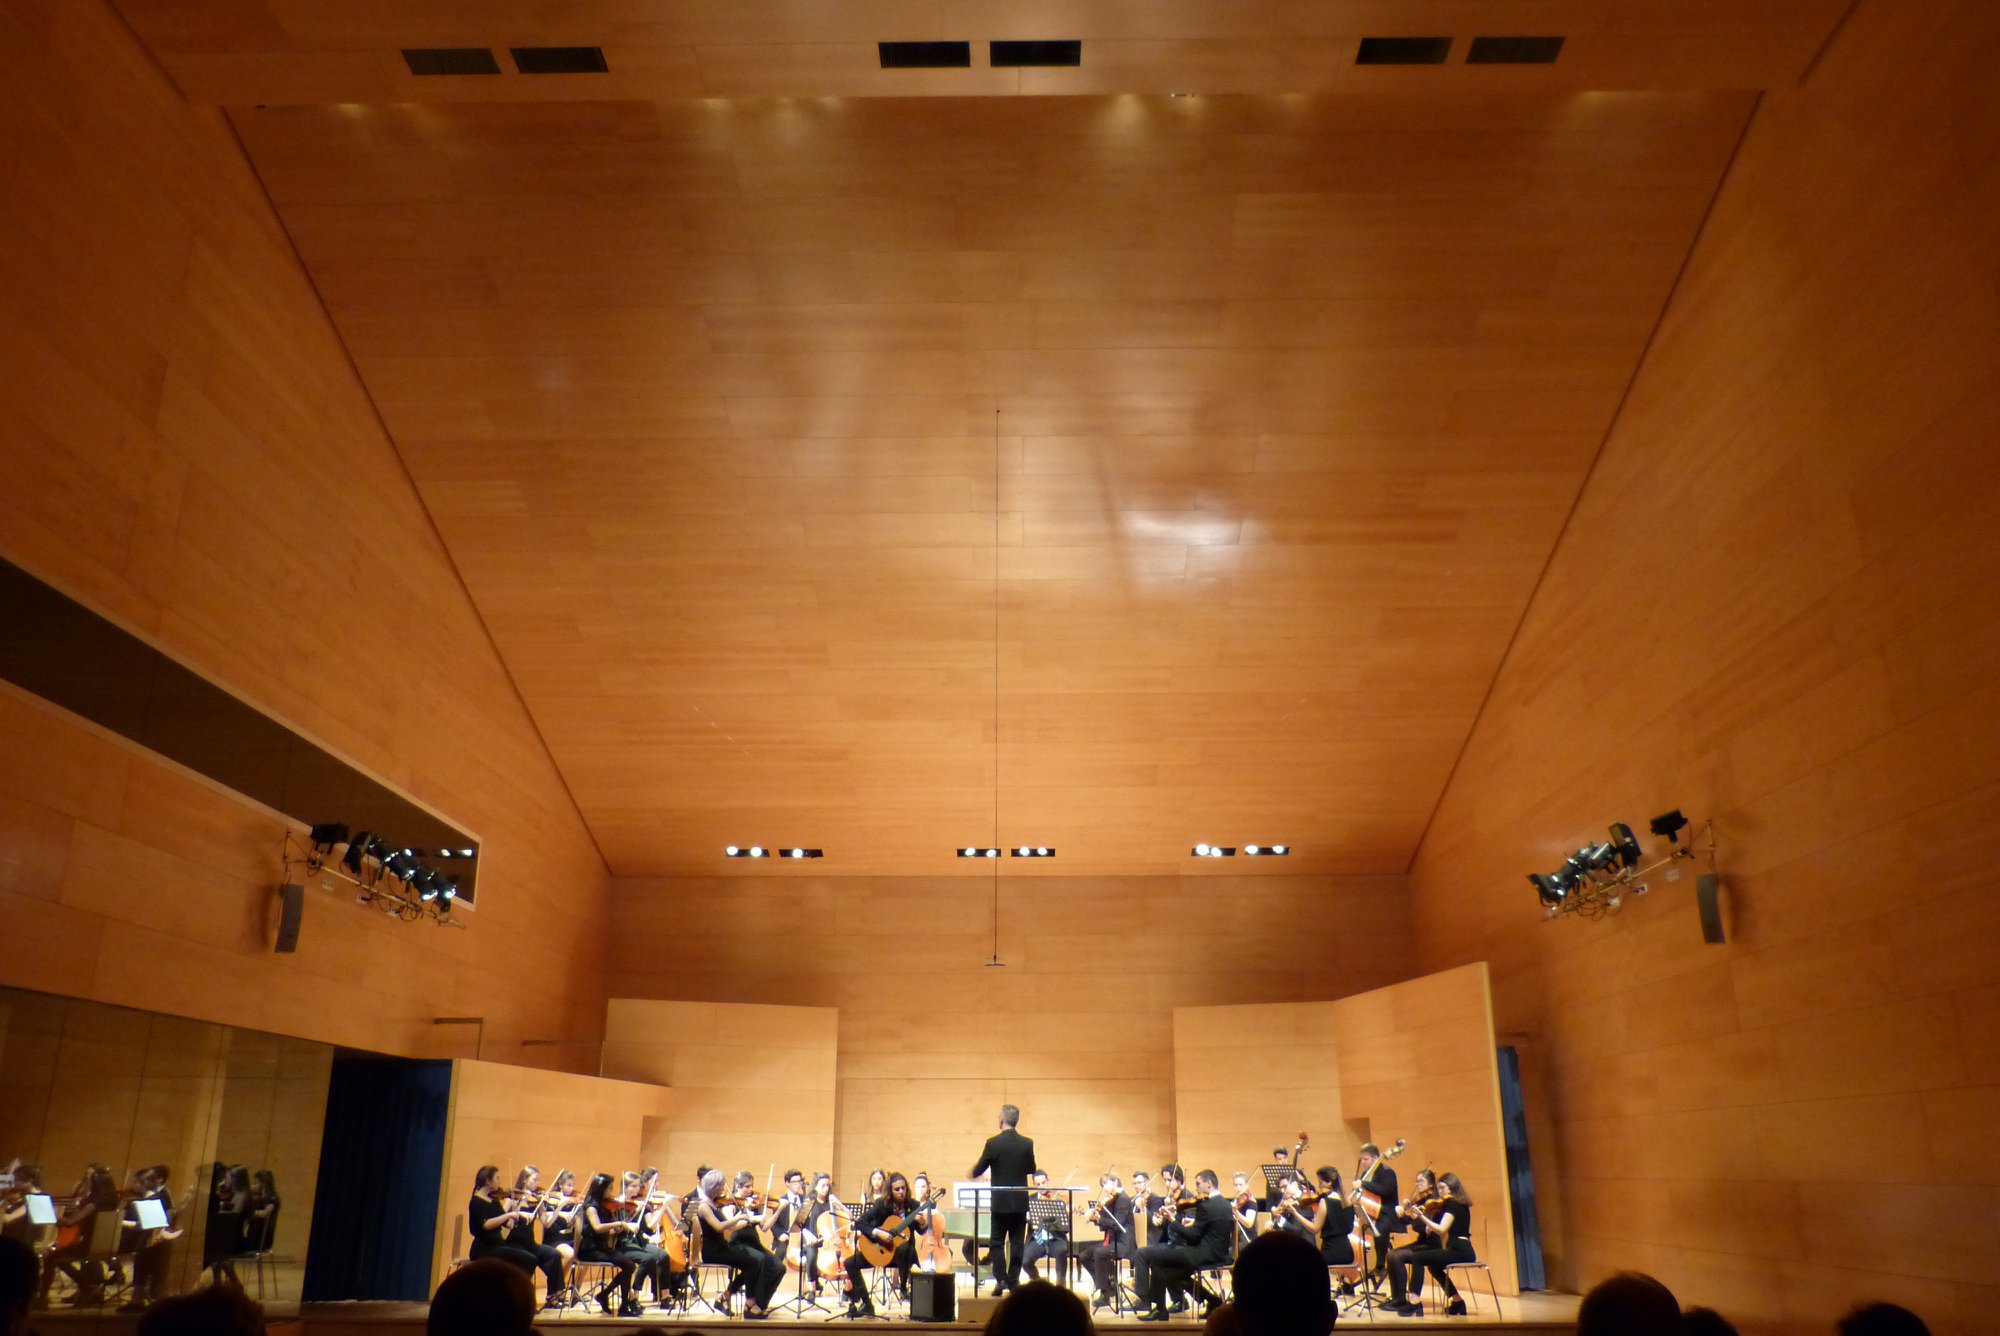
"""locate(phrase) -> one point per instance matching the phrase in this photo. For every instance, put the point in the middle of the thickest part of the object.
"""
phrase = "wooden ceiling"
(1232, 431)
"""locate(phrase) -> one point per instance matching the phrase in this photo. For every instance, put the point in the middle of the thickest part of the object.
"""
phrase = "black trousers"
(528, 1260)
(1005, 1240)
(757, 1270)
(902, 1262)
(1102, 1261)
(1419, 1260)
(1170, 1271)
(1055, 1248)
(622, 1282)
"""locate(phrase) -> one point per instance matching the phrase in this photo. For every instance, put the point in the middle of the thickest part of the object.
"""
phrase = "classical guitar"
(874, 1252)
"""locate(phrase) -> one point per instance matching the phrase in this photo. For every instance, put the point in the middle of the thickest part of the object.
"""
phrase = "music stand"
(1058, 1219)
(982, 1203)
(801, 1218)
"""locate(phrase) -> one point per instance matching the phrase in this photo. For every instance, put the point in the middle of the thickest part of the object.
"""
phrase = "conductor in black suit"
(1010, 1157)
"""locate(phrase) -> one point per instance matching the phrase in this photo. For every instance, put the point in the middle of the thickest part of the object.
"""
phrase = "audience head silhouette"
(483, 1298)
(1281, 1288)
(1629, 1304)
(1040, 1309)
(219, 1310)
(1879, 1319)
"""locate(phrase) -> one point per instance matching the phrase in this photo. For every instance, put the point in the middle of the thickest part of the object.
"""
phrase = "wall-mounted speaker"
(1706, 887)
(291, 913)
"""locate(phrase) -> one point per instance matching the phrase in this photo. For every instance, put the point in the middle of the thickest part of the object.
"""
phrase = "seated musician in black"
(599, 1226)
(492, 1221)
(1045, 1240)
(1198, 1237)
(1447, 1225)
(533, 1208)
(785, 1216)
(1333, 1221)
(822, 1222)
(1146, 1203)
(730, 1238)
(1112, 1215)
(886, 1223)
(642, 1244)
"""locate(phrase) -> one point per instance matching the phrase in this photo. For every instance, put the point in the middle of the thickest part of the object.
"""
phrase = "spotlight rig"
(387, 878)
(1594, 881)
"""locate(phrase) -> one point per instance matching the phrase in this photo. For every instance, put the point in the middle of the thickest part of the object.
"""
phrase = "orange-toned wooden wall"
(184, 445)
(1076, 1028)
(509, 1116)
(754, 1085)
(1778, 604)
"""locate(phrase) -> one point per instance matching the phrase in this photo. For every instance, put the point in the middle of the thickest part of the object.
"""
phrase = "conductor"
(1010, 1158)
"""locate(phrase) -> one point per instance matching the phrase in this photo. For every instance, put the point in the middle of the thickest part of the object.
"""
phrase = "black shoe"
(630, 1308)
(1346, 1289)
(1455, 1308)
(1178, 1306)
(1409, 1310)
(1153, 1315)
(604, 1302)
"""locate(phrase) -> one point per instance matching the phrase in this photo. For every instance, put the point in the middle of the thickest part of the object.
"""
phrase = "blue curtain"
(375, 1216)
(1520, 1174)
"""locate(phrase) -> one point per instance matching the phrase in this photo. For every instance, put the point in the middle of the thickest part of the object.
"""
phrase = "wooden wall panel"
(1412, 1060)
(1076, 1028)
(1775, 606)
(509, 1116)
(753, 1084)
(185, 446)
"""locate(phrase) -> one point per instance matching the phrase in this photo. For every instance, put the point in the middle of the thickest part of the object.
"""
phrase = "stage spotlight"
(731, 852)
(1625, 844)
(449, 891)
(427, 882)
(978, 851)
(1670, 824)
(756, 851)
(1213, 851)
(1281, 849)
(1597, 857)
(1252, 850)
(1551, 889)
(327, 834)
(1266, 850)
(400, 866)
(357, 849)
(1039, 851)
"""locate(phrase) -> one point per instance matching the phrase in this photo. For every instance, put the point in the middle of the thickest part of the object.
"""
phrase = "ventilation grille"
(1514, 51)
(560, 59)
(428, 60)
(1403, 51)
(925, 55)
(1023, 54)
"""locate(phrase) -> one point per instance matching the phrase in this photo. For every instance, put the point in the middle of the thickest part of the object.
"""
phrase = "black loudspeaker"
(291, 913)
(932, 1298)
(1706, 887)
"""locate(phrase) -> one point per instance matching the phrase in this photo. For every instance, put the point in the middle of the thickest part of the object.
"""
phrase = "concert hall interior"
(1227, 433)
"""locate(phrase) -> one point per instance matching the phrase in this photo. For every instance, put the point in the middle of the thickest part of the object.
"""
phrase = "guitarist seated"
(884, 1236)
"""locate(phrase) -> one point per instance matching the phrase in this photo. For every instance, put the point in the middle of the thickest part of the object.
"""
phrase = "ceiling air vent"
(1024, 54)
(1403, 51)
(560, 60)
(425, 60)
(925, 55)
(1514, 51)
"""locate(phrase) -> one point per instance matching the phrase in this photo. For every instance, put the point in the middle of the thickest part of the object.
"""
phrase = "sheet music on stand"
(1275, 1178)
(1058, 1217)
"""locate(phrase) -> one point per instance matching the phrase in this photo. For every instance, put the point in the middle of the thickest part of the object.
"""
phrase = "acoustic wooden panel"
(1076, 1027)
(754, 1085)
(1413, 1060)
(1258, 415)
(508, 1116)
(244, 51)
(184, 446)
(1776, 606)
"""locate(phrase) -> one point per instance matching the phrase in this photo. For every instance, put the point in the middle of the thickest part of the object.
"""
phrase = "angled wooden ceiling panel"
(1274, 405)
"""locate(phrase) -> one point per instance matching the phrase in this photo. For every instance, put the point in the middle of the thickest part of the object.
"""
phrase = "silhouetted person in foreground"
(1880, 1319)
(483, 1298)
(1706, 1322)
(219, 1310)
(1629, 1304)
(20, 1277)
(1281, 1287)
(1040, 1309)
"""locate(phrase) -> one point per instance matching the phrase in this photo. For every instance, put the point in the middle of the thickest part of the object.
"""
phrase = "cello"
(933, 1249)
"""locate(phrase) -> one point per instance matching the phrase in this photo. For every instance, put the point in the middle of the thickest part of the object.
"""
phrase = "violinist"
(559, 1210)
(1044, 1240)
(1411, 1213)
(257, 1227)
(599, 1226)
(1333, 1221)
(888, 1221)
(1291, 1215)
(729, 1237)
(1199, 1234)
(496, 1225)
(1244, 1208)
(1448, 1225)
(14, 1221)
(1111, 1214)
(147, 1246)
(532, 1206)
(642, 1243)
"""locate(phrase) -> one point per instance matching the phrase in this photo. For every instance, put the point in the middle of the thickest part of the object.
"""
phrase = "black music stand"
(1059, 1219)
(982, 1203)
